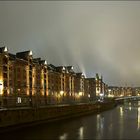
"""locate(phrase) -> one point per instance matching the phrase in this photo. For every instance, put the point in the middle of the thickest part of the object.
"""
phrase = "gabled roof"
(44, 62)
(60, 68)
(3, 49)
(24, 54)
(51, 67)
(12, 56)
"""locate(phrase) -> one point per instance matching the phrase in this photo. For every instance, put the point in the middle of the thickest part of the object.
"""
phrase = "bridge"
(132, 98)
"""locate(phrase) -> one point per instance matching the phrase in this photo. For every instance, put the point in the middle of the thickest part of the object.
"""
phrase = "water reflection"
(138, 117)
(121, 111)
(81, 133)
(122, 122)
(100, 125)
(63, 137)
(130, 108)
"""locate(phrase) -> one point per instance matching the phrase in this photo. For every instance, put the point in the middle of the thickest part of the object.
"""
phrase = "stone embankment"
(18, 117)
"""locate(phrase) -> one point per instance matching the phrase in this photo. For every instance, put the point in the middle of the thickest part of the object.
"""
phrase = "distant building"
(114, 91)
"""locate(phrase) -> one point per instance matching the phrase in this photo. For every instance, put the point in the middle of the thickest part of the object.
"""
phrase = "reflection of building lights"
(63, 137)
(138, 121)
(88, 95)
(81, 130)
(121, 111)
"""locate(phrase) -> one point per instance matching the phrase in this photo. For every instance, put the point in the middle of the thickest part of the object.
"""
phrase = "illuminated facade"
(136, 91)
(60, 84)
(114, 91)
(28, 81)
(23, 79)
(79, 87)
(54, 85)
(99, 84)
(65, 86)
(4, 76)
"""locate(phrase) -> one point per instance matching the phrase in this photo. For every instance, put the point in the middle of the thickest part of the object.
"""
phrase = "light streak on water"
(63, 137)
(81, 133)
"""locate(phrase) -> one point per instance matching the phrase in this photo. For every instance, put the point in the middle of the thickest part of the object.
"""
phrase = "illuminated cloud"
(93, 36)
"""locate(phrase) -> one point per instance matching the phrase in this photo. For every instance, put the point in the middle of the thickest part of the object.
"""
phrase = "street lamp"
(61, 93)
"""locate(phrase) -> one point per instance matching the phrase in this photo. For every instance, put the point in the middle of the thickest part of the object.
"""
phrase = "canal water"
(122, 122)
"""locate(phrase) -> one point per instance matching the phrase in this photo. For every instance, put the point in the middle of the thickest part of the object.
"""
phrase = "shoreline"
(22, 118)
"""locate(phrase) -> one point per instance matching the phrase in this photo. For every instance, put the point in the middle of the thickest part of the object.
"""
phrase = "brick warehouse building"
(28, 81)
(23, 80)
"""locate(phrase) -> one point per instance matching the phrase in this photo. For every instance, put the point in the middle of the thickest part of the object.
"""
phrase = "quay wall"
(26, 116)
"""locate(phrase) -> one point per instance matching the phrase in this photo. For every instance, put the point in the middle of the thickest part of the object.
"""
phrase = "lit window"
(19, 100)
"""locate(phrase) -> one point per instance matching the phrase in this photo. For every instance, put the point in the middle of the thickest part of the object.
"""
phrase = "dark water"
(122, 122)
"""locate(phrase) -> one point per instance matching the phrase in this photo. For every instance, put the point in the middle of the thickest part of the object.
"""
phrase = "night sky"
(95, 37)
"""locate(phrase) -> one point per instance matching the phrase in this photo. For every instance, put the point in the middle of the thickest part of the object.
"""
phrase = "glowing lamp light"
(72, 67)
(80, 93)
(101, 94)
(88, 95)
(61, 93)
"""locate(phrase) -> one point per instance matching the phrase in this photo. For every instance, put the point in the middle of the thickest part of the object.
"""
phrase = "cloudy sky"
(95, 37)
